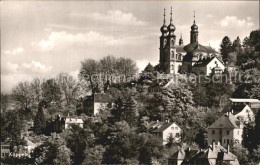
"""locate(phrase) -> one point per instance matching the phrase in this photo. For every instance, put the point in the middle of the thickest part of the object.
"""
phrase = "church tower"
(170, 64)
(163, 42)
(194, 33)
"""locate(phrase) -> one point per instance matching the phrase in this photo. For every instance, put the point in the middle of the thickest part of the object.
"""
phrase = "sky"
(44, 38)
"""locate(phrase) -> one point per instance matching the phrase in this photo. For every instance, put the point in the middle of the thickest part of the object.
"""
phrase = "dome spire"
(164, 21)
(194, 17)
(171, 15)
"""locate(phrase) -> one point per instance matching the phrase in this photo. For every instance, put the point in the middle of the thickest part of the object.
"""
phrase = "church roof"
(180, 48)
(196, 47)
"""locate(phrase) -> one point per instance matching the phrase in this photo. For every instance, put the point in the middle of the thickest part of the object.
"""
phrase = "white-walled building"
(92, 104)
(73, 121)
(243, 112)
(5, 150)
(226, 129)
(164, 130)
(207, 66)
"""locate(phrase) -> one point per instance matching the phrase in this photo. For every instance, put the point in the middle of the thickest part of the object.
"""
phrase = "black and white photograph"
(149, 82)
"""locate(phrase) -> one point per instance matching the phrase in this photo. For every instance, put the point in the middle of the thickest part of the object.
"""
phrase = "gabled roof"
(70, 120)
(205, 62)
(241, 100)
(238, 108)
(226, 121)
(159, 126)
(101, 98)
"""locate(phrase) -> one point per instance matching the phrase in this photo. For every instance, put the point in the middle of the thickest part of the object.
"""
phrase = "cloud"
(34, 67)
(234, 22)
(15, 51)
(63, 39)
(209, 15)
(114, 17)
(12, 73)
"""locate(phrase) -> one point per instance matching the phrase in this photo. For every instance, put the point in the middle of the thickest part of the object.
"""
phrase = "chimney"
(68, 114)
(232, 111)
(228, 148)
(157, 121)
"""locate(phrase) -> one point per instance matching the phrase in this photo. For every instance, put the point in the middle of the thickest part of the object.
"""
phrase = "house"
(242, 112)
(252, 103)
(5, 149)
(209, 156)
(226, 129)
(73, 121)
(164, 130)
(209, 65)
(92, 104)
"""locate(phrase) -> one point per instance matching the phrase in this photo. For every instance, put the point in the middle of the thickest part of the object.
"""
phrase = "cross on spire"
(164, 17)
(171, 15)
(194, 17)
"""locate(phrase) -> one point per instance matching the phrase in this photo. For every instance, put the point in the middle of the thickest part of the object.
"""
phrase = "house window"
(237, 132)
(213, 132)
(177, 135)
(224, 141)
(172, 127)
(170, 134)
(176, 127)
(227, 132)
(227, 141)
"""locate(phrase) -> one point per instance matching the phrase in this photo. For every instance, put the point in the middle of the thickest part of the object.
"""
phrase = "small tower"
(194, 32)
(181, 41)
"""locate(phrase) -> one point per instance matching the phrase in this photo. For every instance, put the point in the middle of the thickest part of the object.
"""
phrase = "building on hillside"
(226, 129)
(212, 155)
(92, 104)
(5, 149)
(242, 112)
(209, 65)
(164, 130)
(73, 121)
(252, 103)
(61, 123)
(180, 58)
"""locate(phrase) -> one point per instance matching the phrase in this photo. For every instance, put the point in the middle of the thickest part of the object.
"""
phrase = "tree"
(241, 153)
(225, 48)
(126, 67)
(77, 143)
(63, 156)
(68, 86)
(39, 122)
(51, 91)
(22, 93)
(93, 155)
(36, 90)
(236, 46)
(89, 71)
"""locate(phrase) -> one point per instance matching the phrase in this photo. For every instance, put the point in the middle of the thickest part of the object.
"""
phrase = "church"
(190, 58)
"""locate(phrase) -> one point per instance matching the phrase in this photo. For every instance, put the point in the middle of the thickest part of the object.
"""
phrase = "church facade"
(179, 58)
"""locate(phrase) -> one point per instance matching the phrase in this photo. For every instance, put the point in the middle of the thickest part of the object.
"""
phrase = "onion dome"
(171, 27)
(194, 27)
(164, 27)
